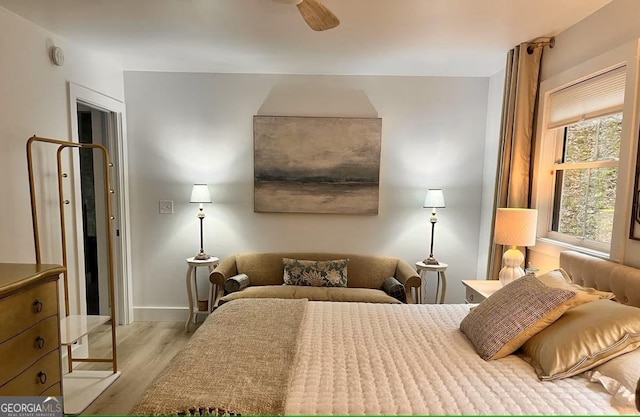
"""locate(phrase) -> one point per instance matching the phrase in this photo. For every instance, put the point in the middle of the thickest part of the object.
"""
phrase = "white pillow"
(619, 377)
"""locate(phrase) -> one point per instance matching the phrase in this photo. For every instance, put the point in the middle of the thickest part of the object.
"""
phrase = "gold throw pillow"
(559, 278)
(584, 337)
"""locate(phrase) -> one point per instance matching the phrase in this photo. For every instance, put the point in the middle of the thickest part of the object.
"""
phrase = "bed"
(276, 356)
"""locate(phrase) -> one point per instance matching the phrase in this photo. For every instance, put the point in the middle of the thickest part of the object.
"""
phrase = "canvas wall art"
(316, 164)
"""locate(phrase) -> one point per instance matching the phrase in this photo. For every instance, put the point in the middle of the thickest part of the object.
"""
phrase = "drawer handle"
(42, 377)
(470, 297)
(39, 342)
(37, 306)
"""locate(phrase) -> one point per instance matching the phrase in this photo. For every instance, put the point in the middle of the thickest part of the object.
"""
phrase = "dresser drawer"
(27, 347)
(36, 379)
(53, 391)
(24, 309)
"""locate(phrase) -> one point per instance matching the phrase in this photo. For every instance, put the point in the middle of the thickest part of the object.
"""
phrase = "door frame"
(117, 146)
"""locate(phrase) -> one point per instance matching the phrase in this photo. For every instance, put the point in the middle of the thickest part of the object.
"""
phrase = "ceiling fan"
(315, 13)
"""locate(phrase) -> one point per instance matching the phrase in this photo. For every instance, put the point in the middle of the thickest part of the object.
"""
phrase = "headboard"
(588, 271)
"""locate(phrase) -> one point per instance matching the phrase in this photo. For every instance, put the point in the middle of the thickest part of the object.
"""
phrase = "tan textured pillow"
(584, 337)
(558, 278)
(503, 322)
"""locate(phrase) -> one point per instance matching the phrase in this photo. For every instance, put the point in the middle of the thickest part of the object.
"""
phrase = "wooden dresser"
(29, 330)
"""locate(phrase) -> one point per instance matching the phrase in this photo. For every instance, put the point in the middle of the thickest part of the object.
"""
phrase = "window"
(584, 122)
(586, 176)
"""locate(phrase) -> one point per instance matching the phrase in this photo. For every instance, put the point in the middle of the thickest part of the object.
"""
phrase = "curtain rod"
(540, 43)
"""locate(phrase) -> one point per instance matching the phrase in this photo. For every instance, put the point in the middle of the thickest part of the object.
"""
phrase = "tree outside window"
(586, 177)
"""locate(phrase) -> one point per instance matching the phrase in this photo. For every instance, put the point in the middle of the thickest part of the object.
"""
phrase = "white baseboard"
(160, 313)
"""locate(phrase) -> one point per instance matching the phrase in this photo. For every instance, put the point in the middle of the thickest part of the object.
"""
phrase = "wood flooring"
(144, 350)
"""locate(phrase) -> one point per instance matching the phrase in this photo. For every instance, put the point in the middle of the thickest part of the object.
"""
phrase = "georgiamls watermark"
(32, 406)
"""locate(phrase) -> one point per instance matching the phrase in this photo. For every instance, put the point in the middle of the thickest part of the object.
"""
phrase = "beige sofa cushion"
(363, 295)
(364, 271)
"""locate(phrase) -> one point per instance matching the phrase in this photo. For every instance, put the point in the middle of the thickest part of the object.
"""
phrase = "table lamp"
(200, 194)
(433, 200)
(514, 227)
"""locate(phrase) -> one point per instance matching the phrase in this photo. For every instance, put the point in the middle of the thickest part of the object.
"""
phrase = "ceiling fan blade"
(317, 16)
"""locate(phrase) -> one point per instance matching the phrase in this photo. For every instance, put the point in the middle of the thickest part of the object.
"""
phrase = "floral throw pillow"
(315, 273)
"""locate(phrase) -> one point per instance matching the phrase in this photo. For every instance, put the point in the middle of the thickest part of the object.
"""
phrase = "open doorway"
(92, 129)
(100, 119)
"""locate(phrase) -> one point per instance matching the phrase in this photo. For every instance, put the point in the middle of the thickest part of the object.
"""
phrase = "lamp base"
(508, 274)
(431, 261)
(512, 259)
(201, 256)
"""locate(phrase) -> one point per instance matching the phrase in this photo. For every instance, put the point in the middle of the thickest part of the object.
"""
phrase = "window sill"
(553, 248)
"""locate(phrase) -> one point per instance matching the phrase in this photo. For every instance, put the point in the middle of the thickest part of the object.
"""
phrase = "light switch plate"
(165, 206)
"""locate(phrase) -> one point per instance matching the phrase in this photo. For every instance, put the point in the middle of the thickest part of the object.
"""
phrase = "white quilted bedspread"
(357, 358)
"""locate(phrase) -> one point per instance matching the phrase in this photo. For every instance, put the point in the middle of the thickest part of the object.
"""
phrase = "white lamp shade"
(516, 226)
(434, 198)
(200, 194)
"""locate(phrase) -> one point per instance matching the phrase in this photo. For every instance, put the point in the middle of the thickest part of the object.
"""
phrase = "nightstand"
(477, 290)
(192, 288)
(439, 269)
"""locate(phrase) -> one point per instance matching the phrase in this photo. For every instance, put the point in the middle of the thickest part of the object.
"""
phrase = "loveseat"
(365, 276)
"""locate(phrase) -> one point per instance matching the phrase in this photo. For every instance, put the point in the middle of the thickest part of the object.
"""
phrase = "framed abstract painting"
(316, 164)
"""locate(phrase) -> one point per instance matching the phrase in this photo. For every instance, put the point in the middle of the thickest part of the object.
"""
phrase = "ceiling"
(375, 37)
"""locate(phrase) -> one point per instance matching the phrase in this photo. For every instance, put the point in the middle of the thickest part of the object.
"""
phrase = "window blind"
(593, 97)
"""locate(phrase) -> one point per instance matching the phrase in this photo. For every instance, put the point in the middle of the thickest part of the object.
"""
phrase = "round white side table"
(441, 286)
(192, 288)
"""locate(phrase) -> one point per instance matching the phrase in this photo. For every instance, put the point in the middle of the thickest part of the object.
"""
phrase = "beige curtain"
(517, 136)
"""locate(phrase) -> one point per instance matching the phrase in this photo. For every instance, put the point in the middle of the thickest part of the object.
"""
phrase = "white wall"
(613, 25)
(33, 100)
(186, 128)
(593, 39)
(491, 148)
